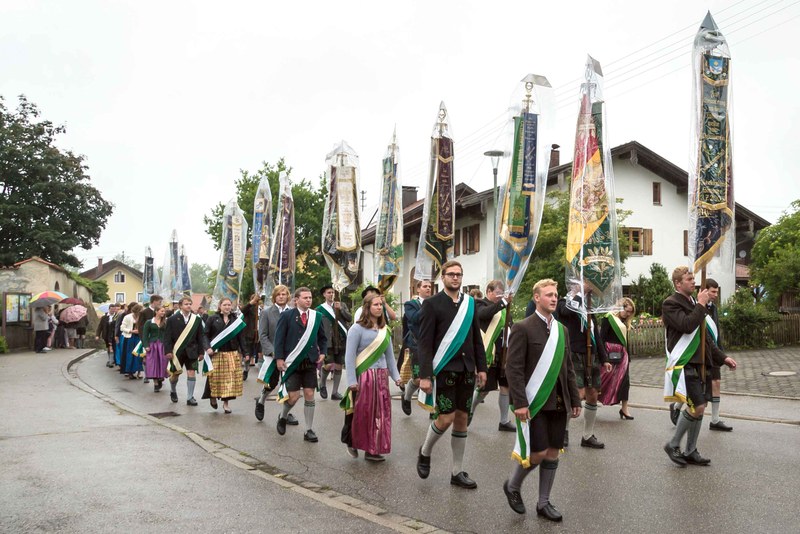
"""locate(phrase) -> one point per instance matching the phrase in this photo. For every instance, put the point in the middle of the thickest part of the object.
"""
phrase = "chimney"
(555, 156)
(99, 267)
(409, 195)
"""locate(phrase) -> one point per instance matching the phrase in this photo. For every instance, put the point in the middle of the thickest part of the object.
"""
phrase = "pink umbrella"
(73, 313)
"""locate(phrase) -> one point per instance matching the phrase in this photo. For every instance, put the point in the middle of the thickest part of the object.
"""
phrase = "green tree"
(202, 279)
(745, 322)
(649, 293)
(129, 260)
(776, 255)
(309, 204)
(47, 205)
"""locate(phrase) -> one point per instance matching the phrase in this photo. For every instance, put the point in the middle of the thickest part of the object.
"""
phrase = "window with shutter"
(457, 243)
(647, 242)
(686, 242)
(656, 193)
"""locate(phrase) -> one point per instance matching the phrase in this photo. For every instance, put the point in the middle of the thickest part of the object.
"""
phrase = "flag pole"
(703, 332)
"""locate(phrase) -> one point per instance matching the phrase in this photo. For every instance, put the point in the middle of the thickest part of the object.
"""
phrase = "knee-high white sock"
(337, 377)
(458, 442)
(431, 438)
(190, 381)
(285, 410)
(685, 422)
(308, 412)
(589, 417)
(547, 474)
(517, 476)
(715, 409)
(323, 377)
(502, 403)
(411, 388)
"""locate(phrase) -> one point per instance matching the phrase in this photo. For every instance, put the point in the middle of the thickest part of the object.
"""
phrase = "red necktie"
(304, 318)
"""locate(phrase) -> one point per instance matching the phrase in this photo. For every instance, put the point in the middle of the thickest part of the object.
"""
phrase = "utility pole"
(363, 200)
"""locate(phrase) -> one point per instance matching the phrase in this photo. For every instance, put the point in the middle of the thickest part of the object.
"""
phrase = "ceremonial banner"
(150, 279)
(186, 279)
(232, 254)
(262, 235)
(341, 230)
(711, 205)
(521, 198)
(438, 214)
(389, 233)
(282, 254)
(170, 273)
(592, 244)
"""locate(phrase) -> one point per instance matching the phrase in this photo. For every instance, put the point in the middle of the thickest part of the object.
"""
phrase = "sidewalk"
(750, 378)
(74, 463)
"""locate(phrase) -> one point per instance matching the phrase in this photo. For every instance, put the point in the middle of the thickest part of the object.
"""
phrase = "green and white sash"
(138, 350)
(268, 367)
(711, 326)
(539, 387)
(677, 358)
(492, 333)
(619, 329)
(452, 341)
(174, 367)
(327, 311)
(298, 354)
(366, 359)
(208, 367)
(228, 333)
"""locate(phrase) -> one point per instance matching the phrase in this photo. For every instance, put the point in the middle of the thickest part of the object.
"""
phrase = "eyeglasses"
(454, 275)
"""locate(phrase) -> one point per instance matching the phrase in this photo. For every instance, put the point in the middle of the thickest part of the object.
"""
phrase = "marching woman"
(615, 385)
(228, 348)
(130, 364)
(155, 362)
(369, 362)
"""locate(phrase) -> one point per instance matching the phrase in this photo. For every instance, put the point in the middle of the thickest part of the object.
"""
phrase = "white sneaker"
(47, 349)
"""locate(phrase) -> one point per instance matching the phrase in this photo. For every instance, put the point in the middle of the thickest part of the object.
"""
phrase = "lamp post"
(495, 156)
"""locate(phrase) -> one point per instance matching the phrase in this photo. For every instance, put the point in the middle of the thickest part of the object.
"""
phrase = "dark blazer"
(577, 336)
(250, 317)
(267, 324)
(288, 333)
(345, 317)
(526, 343)
(608, 334)
(485, 309)
(195, 347)
(682, 316)
(411, 316)
(437, 313)
(118, 323)
(147, 314)
(216, 324)
(105, 330)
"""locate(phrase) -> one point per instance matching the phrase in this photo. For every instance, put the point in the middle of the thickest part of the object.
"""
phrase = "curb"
(734, 393)
(255, 467)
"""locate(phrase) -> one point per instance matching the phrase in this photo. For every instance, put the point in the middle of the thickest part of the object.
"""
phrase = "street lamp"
(495, 156)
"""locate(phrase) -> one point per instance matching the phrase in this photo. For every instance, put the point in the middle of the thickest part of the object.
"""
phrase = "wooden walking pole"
(703, 332)
(588, 338)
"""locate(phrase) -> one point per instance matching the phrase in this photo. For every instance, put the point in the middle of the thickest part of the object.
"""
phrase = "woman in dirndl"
(225, 381)
(131, 363)
(616, 384)
(155, 361)
(369, 361)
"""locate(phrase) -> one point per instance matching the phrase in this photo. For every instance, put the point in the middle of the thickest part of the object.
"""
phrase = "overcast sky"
(168, 100)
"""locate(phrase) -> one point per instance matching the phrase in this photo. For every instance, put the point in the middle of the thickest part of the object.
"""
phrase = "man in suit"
(193, 345)
(528, 348)
(105, 331)
(683, 318)
(588, 379)
(488, 309)
(457, 377)
(267, 324)
(334, 315)
(411, 315)
(300, 339)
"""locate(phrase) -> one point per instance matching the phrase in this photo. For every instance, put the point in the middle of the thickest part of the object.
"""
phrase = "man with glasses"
(451, 363)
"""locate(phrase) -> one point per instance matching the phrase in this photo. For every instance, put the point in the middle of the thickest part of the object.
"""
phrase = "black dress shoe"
(675, 455)
(719, 425)
(623, 415)
(514, 499)
(592, 443)
(673, 413)
(695, 459)
(406, 405)
(462, 480)
(259, 411)
(423, 465)
(336, 396)
(374, 457)
(291, 420)
(213, 402)
(244, 374)
(323, 392)
(310, 436)
(281, 426)
(191, 402)
(549, 512)
(508, 426)
(173, 396)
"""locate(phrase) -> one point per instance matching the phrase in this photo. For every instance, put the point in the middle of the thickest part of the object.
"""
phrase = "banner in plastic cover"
(186, 278)
(592, 244)
(282, 255)
(262, 235)
(150, 279)
(711, 205)
(341, 229)
(171, 272)
(438, 213)
(232, 255)
(389, 233)
(521, 198)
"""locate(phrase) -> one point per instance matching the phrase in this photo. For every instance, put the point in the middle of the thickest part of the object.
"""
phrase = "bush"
(744, 321)
(3, 345)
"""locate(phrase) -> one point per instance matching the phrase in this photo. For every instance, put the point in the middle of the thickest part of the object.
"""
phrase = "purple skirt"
(372, 413)
(611, 381)
(155, 363)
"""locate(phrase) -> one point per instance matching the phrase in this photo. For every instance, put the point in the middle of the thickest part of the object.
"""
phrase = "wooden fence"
(647, 337)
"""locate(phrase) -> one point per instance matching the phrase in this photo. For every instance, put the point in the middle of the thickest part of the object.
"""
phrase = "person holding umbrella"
(41, 325)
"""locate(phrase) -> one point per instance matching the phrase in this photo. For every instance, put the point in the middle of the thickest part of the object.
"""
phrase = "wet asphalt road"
(751, 485)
